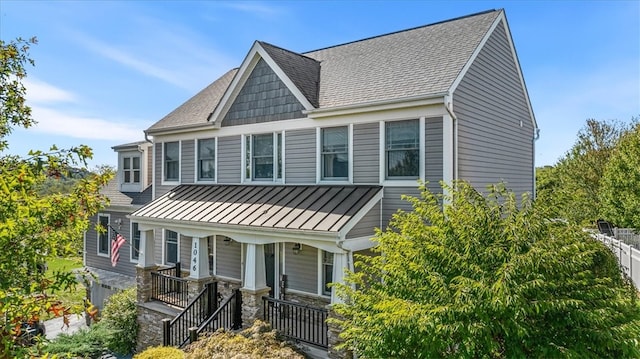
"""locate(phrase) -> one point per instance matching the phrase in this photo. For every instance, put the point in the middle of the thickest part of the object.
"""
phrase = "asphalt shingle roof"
(415, 62)
(124, 199)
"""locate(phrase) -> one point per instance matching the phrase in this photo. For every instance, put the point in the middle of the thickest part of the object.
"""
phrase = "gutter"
(354, 107)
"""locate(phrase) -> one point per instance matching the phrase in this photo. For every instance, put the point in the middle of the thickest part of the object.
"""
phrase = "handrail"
(200, 308)
(228, 316)
(297, 321)
(169, 289)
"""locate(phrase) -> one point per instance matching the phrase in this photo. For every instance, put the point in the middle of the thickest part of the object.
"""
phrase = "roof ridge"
(287, 50)
(404, 30)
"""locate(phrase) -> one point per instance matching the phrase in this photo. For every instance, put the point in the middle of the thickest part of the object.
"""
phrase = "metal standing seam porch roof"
(324, 208)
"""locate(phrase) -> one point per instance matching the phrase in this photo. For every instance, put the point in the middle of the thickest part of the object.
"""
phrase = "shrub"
(160, 352)
(85, 343)
(258, 341)
(120, 316)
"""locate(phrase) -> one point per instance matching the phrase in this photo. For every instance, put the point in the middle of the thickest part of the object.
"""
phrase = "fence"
(628, 256)
(297, 321)
(168, 287)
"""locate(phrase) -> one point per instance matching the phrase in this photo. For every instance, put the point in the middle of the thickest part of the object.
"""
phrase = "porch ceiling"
(316, 208)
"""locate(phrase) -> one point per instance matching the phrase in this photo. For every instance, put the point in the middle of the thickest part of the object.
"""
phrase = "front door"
(269, 265)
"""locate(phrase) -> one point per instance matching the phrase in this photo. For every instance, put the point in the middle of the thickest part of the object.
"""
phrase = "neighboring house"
(127, 191)
(273, 176)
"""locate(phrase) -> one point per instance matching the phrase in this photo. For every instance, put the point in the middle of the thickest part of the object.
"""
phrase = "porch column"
(199, 265)
(147, 249)
(255, 284)
(340, 263)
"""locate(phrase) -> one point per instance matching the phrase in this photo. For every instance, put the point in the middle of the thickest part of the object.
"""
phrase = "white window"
(206, 159)
(171, 161)
(131, 169)
(334, 153)
(263, 157)
(402, 149)
(327, 272)
(135, 242)
(171, 247)
(104, 235)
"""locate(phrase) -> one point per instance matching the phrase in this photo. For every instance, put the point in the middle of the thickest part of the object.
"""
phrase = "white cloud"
(254, 8)
(59, 123)
(42, 92)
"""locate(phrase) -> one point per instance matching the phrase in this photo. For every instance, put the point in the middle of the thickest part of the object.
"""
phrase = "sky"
(107, 70)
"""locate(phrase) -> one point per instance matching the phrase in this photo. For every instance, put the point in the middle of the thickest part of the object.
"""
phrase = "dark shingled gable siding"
(263, 98)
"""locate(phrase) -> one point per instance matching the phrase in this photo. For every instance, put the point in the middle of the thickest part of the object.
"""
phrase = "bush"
(160, 352)
(258, 341)
(121, 317)
(85, 343)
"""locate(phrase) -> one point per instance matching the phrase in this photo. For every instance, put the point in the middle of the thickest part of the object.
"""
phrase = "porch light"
(227, 241)
(297, 248)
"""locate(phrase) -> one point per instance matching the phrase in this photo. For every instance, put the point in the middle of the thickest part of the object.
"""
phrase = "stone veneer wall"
(307, 299)
(150, 325)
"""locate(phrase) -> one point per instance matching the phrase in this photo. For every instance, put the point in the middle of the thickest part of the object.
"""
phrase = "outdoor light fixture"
(227, 241)
(297, 248)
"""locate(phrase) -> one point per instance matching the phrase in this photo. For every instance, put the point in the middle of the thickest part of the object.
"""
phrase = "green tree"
(35, 226)
(570, 189)
(620, 192)
(465, 276)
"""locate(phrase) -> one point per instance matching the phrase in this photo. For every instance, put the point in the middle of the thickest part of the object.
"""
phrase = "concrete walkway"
(55, 327)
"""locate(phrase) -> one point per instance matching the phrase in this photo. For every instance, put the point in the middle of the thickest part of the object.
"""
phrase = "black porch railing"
(228, 315)
(176, 331)
(296, 321)
(168, 287)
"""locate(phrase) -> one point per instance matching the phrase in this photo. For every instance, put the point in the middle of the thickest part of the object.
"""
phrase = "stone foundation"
(333, 337)
(252, 307)
(150, 316)
(312, 300)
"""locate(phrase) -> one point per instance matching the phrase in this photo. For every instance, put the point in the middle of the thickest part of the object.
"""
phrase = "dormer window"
(131, 169)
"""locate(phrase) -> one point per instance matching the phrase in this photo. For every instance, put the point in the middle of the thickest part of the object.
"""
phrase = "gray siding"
(392, 201)
(125, 266)
(302, 269)
(229, 159)
(263, 98)
(159, 188)
(433, 155)
(300, 156)
(228, 258)
(187, 161)
(490, 104)
(366, 153)
(366, 226)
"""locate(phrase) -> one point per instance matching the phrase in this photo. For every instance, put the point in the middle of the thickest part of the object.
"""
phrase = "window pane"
(136, 163)
(402, 149)
(126, 164)
(135, 242)
(206, 148)
(263, 168)
(335, 155)
(171, 161)
(247, 158)
(263, 145)
(279, 152)
(103, 237)
(206, 159)
(171, 171)
(127, 176)
(171, 151)
(327, 271)
(136, 176)
(263, 156)
(171, 247)
(206, 170)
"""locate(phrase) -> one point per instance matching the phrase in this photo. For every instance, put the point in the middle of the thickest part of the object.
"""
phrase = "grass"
(72, 297)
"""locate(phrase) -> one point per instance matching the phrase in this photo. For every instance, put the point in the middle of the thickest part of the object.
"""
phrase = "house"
(271, 178)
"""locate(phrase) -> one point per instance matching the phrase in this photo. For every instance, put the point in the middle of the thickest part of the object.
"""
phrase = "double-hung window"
(170, 247)
(172, 161)
(327, 272)
(402, 149)
(207, 159)
(131, 169)
(263, 157)
(103, 236)
(334, 153)
(135, 242)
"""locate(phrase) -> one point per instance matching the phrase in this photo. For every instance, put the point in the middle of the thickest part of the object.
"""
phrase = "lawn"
(72, 297)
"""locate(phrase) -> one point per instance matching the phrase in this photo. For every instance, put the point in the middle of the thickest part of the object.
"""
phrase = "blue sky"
(107, 70)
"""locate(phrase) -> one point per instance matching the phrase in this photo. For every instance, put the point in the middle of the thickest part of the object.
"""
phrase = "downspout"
(454, 118)
(536, 136)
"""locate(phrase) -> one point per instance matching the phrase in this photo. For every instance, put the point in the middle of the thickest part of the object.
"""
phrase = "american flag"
(118, 241)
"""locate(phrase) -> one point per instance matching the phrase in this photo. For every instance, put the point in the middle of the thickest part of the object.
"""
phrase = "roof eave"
(378, 105)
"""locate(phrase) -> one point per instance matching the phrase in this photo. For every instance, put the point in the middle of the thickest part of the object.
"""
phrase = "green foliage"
(160, 352)
(72, 297)
(258, 341)
(620, 193)
(466, 276)
(120, 316)
(85, 343)
(570, 189)
(35, 226)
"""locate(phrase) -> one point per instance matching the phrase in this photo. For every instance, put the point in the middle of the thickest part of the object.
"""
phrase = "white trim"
(402, 182)
(422, 148)
(108, 254)
(162, 179)
(374, 106)
(350, 149)
(196, 156)
(319, 280)
(153, 170)
(214, 265)
(448, 150)
(318, 154)
(382, 158)
(319, 168)
(277, 151)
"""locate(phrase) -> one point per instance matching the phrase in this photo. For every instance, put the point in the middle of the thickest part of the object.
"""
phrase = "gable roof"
(124, 200)
(421, 61)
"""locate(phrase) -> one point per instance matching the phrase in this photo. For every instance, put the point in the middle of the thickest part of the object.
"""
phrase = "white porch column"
(199, 265)
(147, 249)
(340, 263)
(254, 276)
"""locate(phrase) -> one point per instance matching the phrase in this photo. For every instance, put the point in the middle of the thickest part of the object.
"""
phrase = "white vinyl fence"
(628, 256)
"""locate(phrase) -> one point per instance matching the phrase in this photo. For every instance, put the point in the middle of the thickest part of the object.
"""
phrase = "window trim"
(246, 166)
(131, 170)
(164, 163)
(401, 182)
(132, 248)
(321, 273)
(108, 234)
(319, 167)
(197, 160)
(164, 247)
